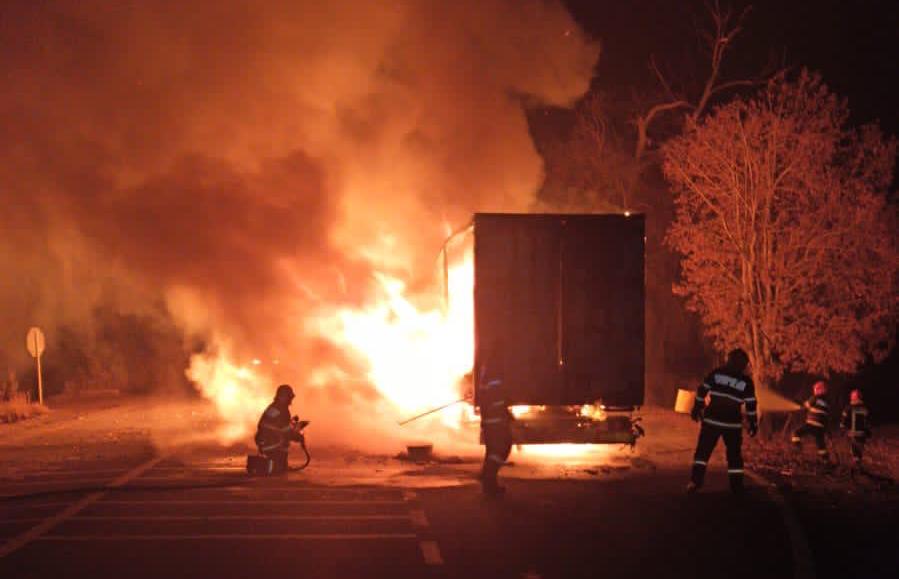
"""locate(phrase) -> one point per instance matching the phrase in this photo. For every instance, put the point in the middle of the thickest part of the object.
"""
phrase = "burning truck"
(559, 305)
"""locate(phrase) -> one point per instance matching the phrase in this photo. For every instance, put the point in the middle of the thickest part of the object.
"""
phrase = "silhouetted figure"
(816, 416)
(729, 388)
(496, 427)
(857, 426)
(276, 431)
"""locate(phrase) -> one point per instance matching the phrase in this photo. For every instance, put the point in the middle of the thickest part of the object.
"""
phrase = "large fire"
(416, 356)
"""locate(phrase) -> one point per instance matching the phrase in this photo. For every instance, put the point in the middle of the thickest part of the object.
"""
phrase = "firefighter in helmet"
(816, 416)
(276, 431)
(496, 424)
(729, 389)
(856, 425)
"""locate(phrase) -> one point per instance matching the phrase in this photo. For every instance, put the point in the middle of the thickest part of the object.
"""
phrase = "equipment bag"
(259, 465)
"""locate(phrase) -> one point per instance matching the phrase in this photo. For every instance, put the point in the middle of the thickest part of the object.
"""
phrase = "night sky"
(852, 44)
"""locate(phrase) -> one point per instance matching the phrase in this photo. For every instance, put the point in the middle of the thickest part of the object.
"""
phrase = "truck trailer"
(559, 306)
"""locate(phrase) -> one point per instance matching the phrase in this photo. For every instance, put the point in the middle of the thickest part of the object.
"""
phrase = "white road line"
(429, 548)
(244, 501)
(118, 471)
(201, 467)
(431, 552)
(236, 536)
(46, 504)
(54, 484)
(239, 518)
(803, 565)
(41, 529)
(418, 518)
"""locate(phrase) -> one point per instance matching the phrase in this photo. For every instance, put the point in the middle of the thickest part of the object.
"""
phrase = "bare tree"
(788, 245)
(718, 40)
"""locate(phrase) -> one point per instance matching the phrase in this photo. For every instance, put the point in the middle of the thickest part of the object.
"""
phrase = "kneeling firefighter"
(276, 430)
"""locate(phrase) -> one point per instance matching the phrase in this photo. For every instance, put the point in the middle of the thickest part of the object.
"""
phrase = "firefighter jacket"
(275, 430)
(728, 392)
(494, 407)
(855, 421)
(817, 411)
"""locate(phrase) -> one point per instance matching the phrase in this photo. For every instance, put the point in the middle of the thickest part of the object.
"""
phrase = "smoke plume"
(234, 165)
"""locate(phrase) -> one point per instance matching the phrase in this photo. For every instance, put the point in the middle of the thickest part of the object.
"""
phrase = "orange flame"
(416, 358)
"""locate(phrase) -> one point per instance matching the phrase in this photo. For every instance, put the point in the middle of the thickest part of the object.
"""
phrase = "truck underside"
(569, 424)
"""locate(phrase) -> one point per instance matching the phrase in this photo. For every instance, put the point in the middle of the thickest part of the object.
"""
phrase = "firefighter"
(817, 412)
(730, 389)
(496, 430)
(855, 422)
(275, 430)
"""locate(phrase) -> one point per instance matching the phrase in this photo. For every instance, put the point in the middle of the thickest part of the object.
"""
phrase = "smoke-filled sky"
(241, 162)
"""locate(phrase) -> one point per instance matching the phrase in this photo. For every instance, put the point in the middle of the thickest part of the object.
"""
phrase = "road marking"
(429, 548)
(47, 525)
(431, 552)
(803, 566)
(239, 518)
(53, 485)
(418, 518)
(244, 501)
(237, 536)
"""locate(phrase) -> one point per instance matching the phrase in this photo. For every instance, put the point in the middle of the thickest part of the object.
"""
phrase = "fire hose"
(297, 426)
(431, 411)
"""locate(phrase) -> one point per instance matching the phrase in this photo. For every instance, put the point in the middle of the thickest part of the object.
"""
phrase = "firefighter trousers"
(279, 460)
(857, 448)
(815, 431)
(733, 441)
(497, 447)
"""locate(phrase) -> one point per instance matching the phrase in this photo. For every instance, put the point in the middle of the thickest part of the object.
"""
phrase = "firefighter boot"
(697, 476)
(489, 484)
(736, 483)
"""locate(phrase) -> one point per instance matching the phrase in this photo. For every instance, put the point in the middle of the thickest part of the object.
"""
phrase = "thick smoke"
(233, 165)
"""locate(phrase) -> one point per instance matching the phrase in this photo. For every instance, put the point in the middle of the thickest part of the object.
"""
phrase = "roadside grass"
(775, 455)
(19, 408)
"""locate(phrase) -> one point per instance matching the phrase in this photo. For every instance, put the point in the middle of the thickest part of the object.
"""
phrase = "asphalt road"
(170, 519)
(118, 510)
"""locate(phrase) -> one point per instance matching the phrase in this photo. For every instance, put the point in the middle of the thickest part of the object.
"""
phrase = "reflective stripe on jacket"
(728, 393)
(274, 430)
(855, 421)
(817, 411)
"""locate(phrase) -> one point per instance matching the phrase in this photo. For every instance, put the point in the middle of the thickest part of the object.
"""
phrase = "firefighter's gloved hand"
(696, 413)
(753, 429)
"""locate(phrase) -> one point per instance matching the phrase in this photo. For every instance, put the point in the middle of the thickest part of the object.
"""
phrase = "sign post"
(35, 343)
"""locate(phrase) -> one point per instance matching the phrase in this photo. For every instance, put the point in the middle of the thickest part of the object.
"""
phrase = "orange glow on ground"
(569, 453)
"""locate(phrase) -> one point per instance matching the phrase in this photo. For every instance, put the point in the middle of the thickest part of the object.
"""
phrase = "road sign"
(35, 343)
